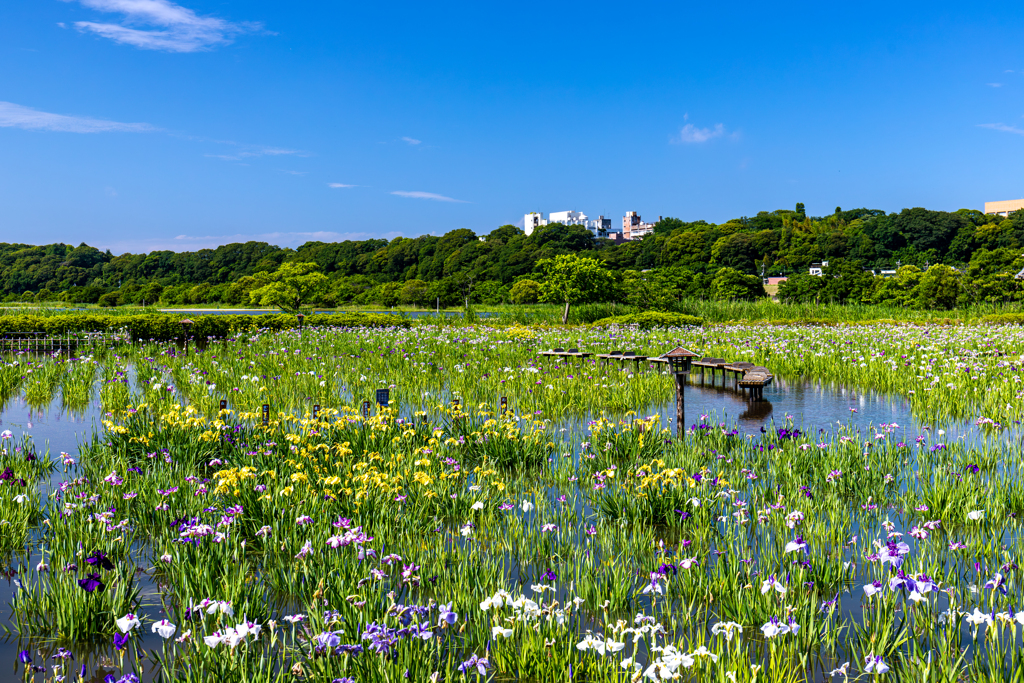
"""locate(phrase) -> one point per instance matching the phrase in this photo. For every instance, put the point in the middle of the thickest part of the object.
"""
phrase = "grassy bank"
(711, 312)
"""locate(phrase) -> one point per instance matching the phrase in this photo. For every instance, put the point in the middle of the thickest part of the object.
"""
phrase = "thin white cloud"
(339, 185)
(250, 152)
(412, 141)
(17, 116)
(994, 85)
(299, 173)
(428, 195)
(691, 134)
(1002, 127)
(165, 26)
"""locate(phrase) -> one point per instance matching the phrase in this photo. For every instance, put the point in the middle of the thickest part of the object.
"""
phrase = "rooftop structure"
(1004, 208)
(634, 228)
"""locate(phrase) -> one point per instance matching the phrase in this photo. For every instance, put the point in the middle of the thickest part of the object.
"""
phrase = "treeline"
(681, 259)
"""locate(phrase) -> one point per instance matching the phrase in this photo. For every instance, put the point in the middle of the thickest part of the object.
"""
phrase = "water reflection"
(757, 412)
(53, 427)
(811, 406)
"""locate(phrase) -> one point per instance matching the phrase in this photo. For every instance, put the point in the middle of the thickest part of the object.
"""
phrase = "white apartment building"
(600, 226)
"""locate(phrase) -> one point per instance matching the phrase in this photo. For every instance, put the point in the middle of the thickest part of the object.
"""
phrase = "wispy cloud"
(248, 152)
(994, 85)
(17, 116)
(691, 134)
(412, 141)
(428, 195)
(162, 25)
(339, 185)
(1002, 127)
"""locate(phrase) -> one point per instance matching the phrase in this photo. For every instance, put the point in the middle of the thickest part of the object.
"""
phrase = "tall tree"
(570, 279)
(291, 287)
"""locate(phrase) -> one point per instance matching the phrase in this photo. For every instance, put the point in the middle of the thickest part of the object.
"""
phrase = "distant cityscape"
(633, 227)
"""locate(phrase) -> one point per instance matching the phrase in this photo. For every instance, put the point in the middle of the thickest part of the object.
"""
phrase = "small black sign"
(366, 409)
(382, 397)
(316, 411)
(223, 405)
(266, 414)
(504, 405)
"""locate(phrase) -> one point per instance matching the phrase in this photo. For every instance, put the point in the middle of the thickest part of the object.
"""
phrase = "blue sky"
(144, 124)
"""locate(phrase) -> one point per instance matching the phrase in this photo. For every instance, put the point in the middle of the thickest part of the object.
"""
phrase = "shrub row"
(168, 326)
(650, 319)
(1004, 319)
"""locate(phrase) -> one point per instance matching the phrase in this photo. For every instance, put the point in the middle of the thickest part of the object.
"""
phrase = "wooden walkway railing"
(40, 342)
(746, 377)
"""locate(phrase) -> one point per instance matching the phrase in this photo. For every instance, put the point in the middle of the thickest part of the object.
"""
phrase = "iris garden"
(571, 537)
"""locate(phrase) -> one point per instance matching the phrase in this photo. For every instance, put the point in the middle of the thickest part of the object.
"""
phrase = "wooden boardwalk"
(746, 377)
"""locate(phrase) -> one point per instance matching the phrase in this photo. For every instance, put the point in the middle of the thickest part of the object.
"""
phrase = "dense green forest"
(943, 259)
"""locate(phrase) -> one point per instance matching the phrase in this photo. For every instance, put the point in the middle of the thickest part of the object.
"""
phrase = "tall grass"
(423, 538)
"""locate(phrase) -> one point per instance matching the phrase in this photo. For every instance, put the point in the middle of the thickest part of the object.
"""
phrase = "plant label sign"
(382, 397)
(266, 414)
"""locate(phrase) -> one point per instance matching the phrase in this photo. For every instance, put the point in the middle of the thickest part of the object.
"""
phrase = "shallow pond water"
(809, 406)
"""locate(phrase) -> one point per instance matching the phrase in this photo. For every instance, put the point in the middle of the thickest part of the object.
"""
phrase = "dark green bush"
(1003, 319)
(168, 326)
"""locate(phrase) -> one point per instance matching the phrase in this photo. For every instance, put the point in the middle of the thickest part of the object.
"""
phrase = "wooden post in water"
(680, 405)
(679, 360)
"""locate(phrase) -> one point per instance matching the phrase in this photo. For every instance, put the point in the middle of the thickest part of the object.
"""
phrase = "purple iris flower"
(381, 638)
(479, 663)
(24, 657)
(998, 582)
(120, 641)
(328, 639)
(99, 559)
(92, 583)
(549, 575)
(901, 580)
(447, 615)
